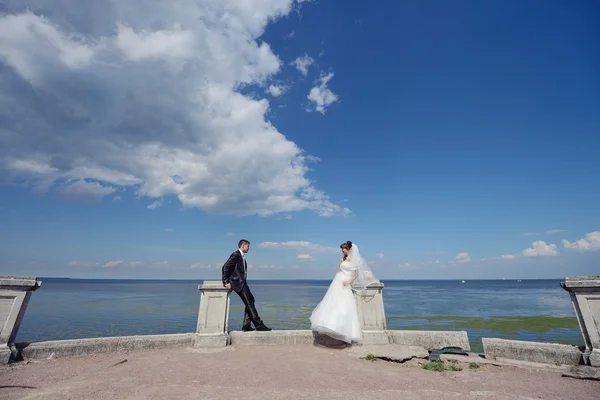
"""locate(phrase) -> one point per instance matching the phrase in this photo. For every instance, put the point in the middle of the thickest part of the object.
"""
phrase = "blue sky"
(449, 141)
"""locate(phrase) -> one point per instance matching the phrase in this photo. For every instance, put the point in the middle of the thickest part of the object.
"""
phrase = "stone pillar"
(585, 296)
(372, 314)
(15, 292)
(213, 315)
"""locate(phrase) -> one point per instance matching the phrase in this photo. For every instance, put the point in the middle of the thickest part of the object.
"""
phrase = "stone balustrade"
(213, 317)
(15, 292)
(585, 296)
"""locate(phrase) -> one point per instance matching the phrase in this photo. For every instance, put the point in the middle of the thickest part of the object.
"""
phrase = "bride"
(336, 315)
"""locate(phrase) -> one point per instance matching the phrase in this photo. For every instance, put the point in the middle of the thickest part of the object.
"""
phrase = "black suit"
(235, 272)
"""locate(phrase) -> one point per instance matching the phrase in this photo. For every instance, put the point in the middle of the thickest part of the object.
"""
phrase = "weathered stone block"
(371, 312)
(284, 337)
(210, 340)
(585, 296)
(213, 315)
(76, 347)
(375, 338)
(431, 340)
(15, 292)
(391, 352)
(548, 353)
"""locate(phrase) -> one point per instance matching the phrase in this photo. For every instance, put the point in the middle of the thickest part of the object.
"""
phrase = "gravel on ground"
(273, 372)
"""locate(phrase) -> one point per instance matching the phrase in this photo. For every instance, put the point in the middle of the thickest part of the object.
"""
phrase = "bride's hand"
(346, 283)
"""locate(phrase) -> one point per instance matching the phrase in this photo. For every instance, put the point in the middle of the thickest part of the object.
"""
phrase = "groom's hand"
(228, 286)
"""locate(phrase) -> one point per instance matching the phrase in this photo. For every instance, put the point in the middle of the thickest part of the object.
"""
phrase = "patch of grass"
(474, 365)
(435, 366)
(507, 325)
(440, 366)
(557, 363)
(371, 357)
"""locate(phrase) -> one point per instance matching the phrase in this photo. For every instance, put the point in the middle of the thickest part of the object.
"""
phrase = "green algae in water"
(506, 325)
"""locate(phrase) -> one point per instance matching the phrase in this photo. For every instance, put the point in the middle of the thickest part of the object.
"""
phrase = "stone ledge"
(576, 282)
(283, 337)
(431, 340)
(17, 282)
(292, 337)
(210, 340)
(545, 353)
(375, 338)
(76, 347)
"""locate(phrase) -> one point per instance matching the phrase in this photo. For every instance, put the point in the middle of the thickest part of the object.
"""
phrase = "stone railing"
(213, 317)
(15, 292)
(585, 296)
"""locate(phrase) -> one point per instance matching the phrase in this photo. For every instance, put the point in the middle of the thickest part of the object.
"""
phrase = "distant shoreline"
(47, 278)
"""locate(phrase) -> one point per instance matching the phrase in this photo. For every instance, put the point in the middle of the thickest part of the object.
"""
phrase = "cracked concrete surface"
(272, 372)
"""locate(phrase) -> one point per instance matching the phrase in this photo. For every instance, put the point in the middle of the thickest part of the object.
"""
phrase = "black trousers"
(250, 313)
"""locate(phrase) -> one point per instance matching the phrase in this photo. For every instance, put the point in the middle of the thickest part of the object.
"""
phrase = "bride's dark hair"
(347, 246)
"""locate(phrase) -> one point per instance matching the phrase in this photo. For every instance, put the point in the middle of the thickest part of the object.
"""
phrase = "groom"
(235, 271)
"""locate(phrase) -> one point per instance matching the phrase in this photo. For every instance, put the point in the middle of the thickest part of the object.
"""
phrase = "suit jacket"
(234, 271)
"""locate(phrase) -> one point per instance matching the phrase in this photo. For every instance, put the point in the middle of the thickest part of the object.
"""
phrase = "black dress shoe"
(263, 328)
(247, 328)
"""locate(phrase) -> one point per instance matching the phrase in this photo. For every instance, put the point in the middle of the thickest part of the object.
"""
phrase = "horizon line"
(301, 279)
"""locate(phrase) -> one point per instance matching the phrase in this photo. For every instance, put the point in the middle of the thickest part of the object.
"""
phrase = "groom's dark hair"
(243, 242)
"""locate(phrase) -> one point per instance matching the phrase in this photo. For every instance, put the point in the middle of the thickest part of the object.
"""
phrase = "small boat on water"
(463, 282)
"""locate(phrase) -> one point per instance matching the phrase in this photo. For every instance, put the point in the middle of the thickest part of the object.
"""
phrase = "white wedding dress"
(337, 315)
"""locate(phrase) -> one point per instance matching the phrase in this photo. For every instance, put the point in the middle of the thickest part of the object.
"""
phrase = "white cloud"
(144, 97)
(305, 257)
(591, 242)
(379, 255)
(508, 257)
(117, 198)
(301, 246)
(160, 44)
(462, 258)
(162, 263)
(229, 234)
(540, 248)
(321, 95)
(82, 189)
(302, 63)
(277, 90)
(406, 266)
(135, 263)
(154, 205)
(112, 264)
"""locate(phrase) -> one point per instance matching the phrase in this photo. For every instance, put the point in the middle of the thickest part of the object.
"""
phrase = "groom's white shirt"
(244, 259)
